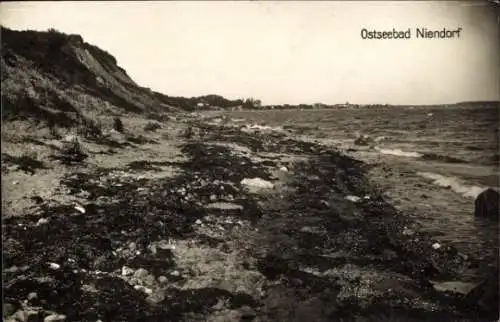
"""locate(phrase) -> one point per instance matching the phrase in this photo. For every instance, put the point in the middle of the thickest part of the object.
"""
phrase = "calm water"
(459, 145)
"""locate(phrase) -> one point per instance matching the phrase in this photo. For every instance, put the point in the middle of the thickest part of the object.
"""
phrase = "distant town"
(217, 102)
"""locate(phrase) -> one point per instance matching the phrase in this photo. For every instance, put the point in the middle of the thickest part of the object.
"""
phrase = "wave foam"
(423, 156)
(399, 152)
(454, 183)
(258, 127)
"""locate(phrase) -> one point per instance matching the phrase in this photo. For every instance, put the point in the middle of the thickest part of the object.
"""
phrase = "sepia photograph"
(220, 161)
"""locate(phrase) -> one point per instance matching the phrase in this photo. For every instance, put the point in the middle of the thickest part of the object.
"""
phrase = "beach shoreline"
(225, 222)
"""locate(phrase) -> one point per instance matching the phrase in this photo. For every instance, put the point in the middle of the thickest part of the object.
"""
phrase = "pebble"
(213, 197)
(436, 246)
(54, 266)
(175, 273)
(353, 198)
(80, 209)
(141, 273)
(162, 279)
(284, 169)
(55, 317)
(306, 229)
(407, 231)
(165, 245)
(143, 289)
(149, 280)
(127, 271)
(156, 297)
(132, 246)
(198, 222)
(152, 249)
(32, 296)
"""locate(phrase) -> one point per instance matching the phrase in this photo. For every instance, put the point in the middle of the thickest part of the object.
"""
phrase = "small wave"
(423, 156)
(454, 184)
(399, 152)
(257, 127)
(238, 120)
(381, 138)
(442, 158)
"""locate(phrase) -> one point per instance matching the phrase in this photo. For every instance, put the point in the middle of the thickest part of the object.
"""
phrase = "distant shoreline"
(473, 104)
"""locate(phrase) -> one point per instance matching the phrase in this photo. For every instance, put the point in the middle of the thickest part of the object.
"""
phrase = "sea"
(453, 148)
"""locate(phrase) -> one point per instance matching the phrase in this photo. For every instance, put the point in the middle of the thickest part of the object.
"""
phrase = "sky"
(287, 52)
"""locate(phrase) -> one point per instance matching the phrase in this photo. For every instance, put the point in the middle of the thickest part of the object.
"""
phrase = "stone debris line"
(257, 226)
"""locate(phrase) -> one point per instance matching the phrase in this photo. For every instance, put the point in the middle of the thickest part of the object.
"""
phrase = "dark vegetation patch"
(89, 129)
(145, 165)
(152, 127)
(118, 125)
(112, 143)
(25, 162)
(123, 210)
(91, 238)
(158, 117)
(221, 163)
(27, 108)
(202, 300)
(316, 214)
(33, 141)
(71, 153)
(261, 142)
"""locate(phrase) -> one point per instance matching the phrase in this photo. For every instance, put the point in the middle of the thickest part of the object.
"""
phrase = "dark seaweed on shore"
(298, 229)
